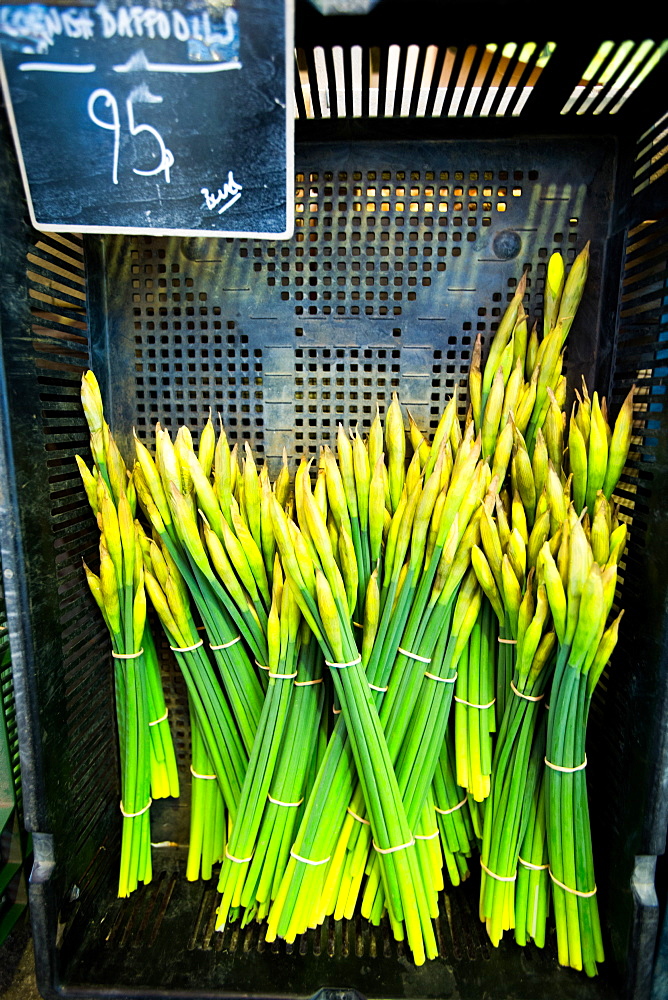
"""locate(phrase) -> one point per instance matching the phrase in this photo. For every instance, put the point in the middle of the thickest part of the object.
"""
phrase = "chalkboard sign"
(173, 117)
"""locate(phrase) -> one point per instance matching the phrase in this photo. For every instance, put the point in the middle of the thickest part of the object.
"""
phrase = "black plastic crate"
(419, 199)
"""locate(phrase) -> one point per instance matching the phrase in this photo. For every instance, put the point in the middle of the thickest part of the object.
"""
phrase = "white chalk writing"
(38, 26)
(139, 94)
(225, 196)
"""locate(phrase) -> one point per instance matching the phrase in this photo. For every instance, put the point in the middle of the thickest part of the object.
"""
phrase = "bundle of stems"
(146, 758)
(581, 593)
(532, 889)
(283, 641)
(400, 598)
(206, 842)
(475, 698)
(512, 401)
(220, 736)
(321, 593)
(453, 816)
(505, 815)
(297, 755)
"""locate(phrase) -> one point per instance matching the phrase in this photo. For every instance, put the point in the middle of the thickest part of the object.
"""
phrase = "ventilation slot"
(418, 81)
(612, 76)
(651, 158)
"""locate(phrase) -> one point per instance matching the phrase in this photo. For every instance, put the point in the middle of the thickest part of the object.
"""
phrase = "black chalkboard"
(167, 117)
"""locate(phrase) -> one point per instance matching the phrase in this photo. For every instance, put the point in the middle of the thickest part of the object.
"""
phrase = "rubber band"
(576, 892)
(392, 850)
(427, 836)
(357, 625)
(443, 680)
(161, 719)
(534, 868)
(307, 861)
(375, 687)
(284, 677)
(277, 802)
(507, 642)
(187, 649)
(470, 704)
(336, 711)
(527, 697)
(237, 861)
(499, 878)
(303, 684)
(204, 777)
(341, 666)
(566, 770)
(358, 818)
(126, 656)
(446, 812)
(226, 645)
(141, 811)
(414, 656)
(261, 665)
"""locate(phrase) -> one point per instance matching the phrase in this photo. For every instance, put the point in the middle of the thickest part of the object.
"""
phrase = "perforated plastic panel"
(397, 263)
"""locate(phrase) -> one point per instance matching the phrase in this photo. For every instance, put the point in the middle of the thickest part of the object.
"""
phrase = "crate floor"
(163, 939)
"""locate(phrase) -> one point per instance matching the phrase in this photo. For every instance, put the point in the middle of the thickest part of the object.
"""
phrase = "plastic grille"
(651, 157)
(57, 296)
(418, 81)
(395, 267)
(614, 73)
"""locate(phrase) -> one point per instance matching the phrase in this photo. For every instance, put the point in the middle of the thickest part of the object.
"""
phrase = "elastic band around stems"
(204, 777)
(375, 687)
(393, 850)
(427, 836)
(446, 812)
(507, 642)
(358, 818)
(237, 861)
(566, 770)
(303, 684)
(187, 649)
(141, 811)
(575, 892)
(527, 697)
(470, 704)
(443, 680)
(499, 878)
(336, 711)
(261, 665)
(414, 656)
(357, 625)
(342, 666)
(161, 719)
(534, 868)
(283, 677)
(226, 645)
(126, 656)
(290, 805)
(307, 861)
